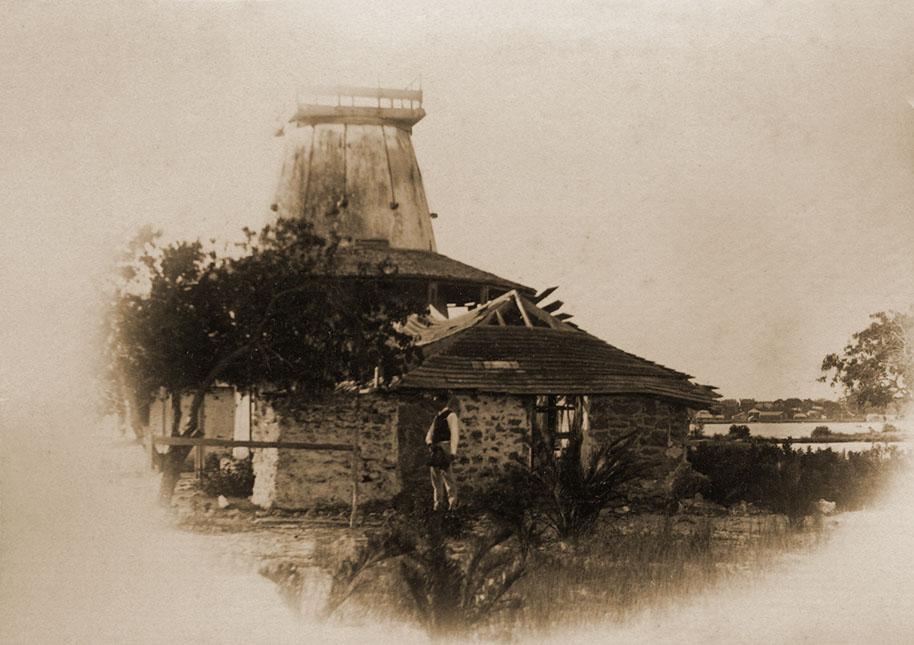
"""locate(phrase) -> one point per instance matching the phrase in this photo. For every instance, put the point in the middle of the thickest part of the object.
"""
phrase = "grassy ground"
(632, 562)
(644, 562)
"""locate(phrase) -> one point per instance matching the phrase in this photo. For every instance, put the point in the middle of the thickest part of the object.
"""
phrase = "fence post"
(151, 447)
(356, 475)
(198, 462)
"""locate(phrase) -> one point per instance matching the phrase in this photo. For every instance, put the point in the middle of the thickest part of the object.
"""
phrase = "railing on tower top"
(348, 93)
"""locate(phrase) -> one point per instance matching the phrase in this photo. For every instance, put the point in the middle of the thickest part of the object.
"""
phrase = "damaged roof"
(509, 345)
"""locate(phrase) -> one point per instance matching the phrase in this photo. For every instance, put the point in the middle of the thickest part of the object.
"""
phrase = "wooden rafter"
(544, 294)
(555, 305)
(520, 308)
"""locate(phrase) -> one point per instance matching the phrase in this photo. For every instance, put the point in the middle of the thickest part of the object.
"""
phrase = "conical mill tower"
(349, 168)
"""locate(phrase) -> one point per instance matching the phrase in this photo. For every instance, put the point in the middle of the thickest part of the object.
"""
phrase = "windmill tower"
(349, 168)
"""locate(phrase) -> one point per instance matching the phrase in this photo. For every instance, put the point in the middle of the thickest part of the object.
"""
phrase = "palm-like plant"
(570, 495)
(449, 597)
(349, 578)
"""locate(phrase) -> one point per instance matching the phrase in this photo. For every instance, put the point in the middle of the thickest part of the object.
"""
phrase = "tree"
(820, 432)
(125, 393)
(877, 366)
(739, 432)
(271, 313)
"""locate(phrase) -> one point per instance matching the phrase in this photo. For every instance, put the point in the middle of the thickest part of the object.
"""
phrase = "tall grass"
(622, 568)
(614, 574)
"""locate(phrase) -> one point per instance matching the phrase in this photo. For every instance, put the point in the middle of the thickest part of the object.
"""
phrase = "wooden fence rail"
(199, 443)
(232, 443)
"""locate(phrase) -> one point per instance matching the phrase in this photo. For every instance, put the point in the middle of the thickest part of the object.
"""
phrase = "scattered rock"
(223, 502)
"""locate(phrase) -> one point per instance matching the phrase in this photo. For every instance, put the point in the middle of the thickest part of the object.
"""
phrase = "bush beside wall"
(789, 481)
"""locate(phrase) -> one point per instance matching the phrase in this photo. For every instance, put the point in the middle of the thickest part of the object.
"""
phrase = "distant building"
(768, 416)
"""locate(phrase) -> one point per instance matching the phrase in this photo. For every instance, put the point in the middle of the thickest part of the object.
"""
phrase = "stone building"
(518, 372)
(518, 367)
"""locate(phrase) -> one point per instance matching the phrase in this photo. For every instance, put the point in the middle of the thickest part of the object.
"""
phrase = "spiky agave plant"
(449, 597)
(570, 495)
(349, 577)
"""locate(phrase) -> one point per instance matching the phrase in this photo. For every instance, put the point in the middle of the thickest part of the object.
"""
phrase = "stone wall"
(294, 479)
(662, 428)
(495, 432)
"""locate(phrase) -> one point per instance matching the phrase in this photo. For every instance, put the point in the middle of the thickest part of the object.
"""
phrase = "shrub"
(449, 596)
(735, 472)
(739, 432)
(788, 481)
(564, 495)
(228, 476)
(512, 503)
(686, 482)
(381, 546)
(447, 592)
(820, 432)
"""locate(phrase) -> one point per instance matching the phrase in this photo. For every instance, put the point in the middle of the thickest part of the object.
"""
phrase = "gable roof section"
(477, 352)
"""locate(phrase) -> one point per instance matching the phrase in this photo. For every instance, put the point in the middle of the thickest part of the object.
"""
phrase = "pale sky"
(725, 188)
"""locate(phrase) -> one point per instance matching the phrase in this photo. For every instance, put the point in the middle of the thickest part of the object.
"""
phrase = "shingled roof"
(364, 257)
(484, 351)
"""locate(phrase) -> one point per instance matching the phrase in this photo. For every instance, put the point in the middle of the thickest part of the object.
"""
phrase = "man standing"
(442, 439)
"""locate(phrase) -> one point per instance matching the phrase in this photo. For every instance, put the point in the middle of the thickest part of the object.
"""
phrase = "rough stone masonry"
(495, 435)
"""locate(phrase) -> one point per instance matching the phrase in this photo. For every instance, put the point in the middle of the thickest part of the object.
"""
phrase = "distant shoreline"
(841, 437)
(837, 437)
(822, 421)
